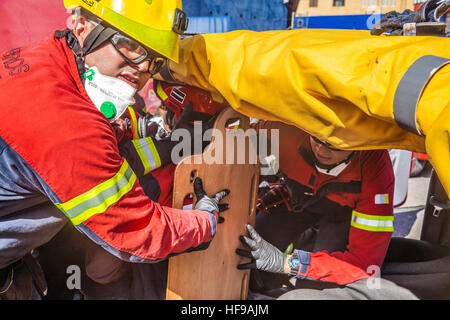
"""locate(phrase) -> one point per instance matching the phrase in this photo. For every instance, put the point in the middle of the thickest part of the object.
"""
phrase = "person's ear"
(81, 29)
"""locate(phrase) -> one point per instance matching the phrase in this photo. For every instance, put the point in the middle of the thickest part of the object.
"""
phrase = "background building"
(347, 14)
(351, 7)
(206, 16)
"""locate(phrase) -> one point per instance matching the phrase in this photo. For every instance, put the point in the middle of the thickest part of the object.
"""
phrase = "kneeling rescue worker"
(59, 158)
(334, 206)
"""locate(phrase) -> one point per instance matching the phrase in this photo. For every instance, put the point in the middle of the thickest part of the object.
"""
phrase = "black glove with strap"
(264, 256)
(164, 146)
(277, 194)
(187, 116)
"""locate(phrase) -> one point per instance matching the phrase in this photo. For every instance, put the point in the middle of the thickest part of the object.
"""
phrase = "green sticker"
(148, 1)
(89, 74)
(108, 109)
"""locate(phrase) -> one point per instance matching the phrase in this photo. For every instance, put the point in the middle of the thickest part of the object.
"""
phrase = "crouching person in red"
(333, 206)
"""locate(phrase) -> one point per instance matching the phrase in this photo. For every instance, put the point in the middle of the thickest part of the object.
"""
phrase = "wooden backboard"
(212, 274)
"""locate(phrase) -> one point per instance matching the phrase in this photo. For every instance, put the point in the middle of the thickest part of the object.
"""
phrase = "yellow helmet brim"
(133, 20)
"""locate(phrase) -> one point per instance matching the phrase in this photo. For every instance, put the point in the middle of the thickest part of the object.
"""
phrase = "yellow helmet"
(156, 24)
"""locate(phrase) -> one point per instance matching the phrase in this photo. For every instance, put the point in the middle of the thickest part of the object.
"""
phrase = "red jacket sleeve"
(136, 228)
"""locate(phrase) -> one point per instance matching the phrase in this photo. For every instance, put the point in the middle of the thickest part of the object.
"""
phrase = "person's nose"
(143, 66)
(323, 150)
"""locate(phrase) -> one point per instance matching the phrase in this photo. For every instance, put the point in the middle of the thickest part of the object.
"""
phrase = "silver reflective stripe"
(410, 89)
(372, 222)
(149, 155)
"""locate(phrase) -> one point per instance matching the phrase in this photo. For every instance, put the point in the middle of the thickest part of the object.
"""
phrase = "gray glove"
(209, 204)
(264, 256)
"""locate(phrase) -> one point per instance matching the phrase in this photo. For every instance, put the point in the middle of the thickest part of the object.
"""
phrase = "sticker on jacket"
(382, 198)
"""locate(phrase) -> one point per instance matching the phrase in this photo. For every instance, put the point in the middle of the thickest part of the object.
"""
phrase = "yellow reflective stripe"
(372, 222)
(134, 122)
(10, 282)
(100, 198)
(160, 92)
(289, 248)
(148, 154)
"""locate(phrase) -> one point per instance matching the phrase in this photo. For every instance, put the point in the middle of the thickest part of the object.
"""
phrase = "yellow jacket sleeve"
(338, 85)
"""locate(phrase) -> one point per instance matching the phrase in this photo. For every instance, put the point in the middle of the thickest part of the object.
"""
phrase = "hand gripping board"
(211, 274)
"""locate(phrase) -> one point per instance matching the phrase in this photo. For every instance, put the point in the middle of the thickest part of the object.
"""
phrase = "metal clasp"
(438, 206)
(180, 22)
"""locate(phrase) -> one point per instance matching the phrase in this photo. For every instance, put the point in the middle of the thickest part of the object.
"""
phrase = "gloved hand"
(264, 256)
(164, 146)
(394, 21)
(277, 194)
(187, 116)
(430, 11)
(183, 122)
(209, 204)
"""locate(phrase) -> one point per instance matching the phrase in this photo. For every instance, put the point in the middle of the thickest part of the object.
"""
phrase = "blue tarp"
(355, 21)
(208, 24)
(257, 15)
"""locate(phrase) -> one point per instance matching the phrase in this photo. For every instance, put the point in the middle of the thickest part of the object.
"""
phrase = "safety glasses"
(326, 144)
(134, 53)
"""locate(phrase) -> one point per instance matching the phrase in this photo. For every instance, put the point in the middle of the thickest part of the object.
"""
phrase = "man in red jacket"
(61, 96)
(334, 206)
(149, 156)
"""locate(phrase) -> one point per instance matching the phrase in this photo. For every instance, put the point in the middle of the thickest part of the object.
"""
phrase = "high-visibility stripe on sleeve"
(134, 122)
(372, 222)
(101, 197)
(148, 154)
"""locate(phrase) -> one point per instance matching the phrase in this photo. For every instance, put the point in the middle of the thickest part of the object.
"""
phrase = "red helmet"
(176, 96)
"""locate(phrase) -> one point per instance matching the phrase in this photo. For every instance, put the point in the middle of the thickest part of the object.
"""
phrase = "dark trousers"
(23, 280)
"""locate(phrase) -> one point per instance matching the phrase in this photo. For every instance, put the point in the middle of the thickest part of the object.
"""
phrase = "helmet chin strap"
(329, 167)
(96, 37)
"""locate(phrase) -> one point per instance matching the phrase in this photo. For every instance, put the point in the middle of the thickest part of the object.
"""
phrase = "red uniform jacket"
(371, 222)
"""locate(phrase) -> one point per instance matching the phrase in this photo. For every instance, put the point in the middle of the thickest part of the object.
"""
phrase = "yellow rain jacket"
(339, 85)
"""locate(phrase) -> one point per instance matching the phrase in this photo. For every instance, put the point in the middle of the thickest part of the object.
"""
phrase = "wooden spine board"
(241, 199)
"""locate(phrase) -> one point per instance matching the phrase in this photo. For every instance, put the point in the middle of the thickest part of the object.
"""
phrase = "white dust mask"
(110, 95)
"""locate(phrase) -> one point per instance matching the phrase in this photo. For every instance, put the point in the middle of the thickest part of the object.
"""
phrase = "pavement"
(408, 218)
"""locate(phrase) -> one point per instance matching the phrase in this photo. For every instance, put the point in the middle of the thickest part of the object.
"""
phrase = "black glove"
(185, 121)
(264, 256)
(276, 194)
(187, 117)
(164, 146)
(209, 204)
(430, 11)
(394, 21)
